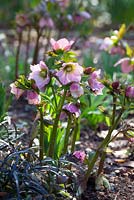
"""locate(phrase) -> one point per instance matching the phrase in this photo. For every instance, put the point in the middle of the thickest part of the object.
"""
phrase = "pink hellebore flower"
(70, 72)
(72, 108)
(81, 17)
(46, 22)
(22, 20)
(76, 90)
(85, 14)
(95, 85)
(126, 65)
(40, 75)
(130, 91)
(62, 44)
(33, 97)
(16, 91)
(80, 155)
(131, 139)
(64, 3)
(107, 44)
(117, 50)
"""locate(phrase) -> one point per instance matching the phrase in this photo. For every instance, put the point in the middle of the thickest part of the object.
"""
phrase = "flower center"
(68, 68)
(43, 73)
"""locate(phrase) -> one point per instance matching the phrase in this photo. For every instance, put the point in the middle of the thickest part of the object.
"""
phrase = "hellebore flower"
(117, 50)
(22, 20)
(40, 75)
(85, 14)
(64, 3)
(33, 97)
(72, 108)
(126, 65)
(46, 22)
(70, 72)
(76, 90)
(94, 83)
(130, 92)
(107, 44)
(81, 17)
(16, 91)
(80, 155)
(62, 44)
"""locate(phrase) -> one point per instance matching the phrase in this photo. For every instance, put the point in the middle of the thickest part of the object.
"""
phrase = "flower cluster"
(59, 83)
(68, 73)
(116, 45)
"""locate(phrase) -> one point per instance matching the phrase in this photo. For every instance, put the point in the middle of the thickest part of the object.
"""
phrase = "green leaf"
(108, 121)
(106, 183)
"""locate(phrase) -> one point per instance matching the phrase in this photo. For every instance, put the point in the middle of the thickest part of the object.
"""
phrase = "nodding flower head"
(130, 91)
(76, 90)
(94, 83)
(33, 97)
(40, 75)
(127, 64)
(16, 91)
(70, 72)
(46, 22)
(22, 20)
(72, 109)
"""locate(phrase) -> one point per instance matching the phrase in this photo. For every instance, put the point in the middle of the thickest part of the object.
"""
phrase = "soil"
(119, 164)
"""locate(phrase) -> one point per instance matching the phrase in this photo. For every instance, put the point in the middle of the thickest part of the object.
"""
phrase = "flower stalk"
(67, 135)
(27, 50)
(36, 50)
(41, 153)
(104, 144)
(55, 126)
(103, 156)
(17, 55)
(74, 136)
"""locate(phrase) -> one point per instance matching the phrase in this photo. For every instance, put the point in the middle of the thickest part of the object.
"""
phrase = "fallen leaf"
(129, 164)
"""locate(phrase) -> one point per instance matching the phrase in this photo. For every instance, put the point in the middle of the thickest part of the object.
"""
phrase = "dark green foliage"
(107, 63)
(122, 11)
(24, 177)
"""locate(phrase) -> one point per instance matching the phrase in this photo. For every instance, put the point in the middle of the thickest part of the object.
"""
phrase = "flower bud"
(115, 85)
(89, 70)
(129, 92)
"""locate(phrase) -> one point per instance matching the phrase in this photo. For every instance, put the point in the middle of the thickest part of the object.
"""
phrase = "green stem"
(27, 50)
(103, 156)
(54, 96)
(76, 129)
(55, 126)
(67, 135)
(41, 135)
(101, 163)
(114, 109)
(47, 37)
(36, 49)
(103, 144)
(17, 56)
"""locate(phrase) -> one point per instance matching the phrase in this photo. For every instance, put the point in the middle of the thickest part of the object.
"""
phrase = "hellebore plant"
(55, 87)
(43, 19)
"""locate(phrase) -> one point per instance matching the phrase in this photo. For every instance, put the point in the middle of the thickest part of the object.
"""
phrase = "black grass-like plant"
(47, 179)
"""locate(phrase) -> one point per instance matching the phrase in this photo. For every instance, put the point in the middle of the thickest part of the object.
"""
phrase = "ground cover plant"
(65, 94)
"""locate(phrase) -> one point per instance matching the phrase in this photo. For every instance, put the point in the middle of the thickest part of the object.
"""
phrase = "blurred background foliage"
(103, 11)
